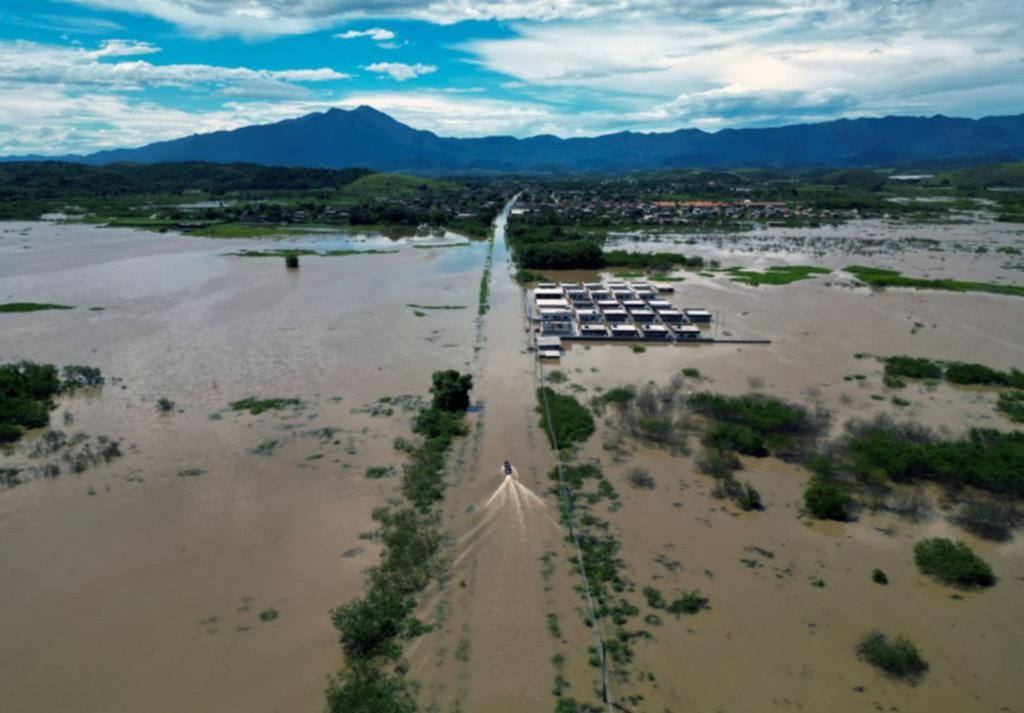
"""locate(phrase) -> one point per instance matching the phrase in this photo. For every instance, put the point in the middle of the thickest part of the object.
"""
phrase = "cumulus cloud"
(400, 71)
(123, 48)
(47, 119)
(378, 34)
(31, 62)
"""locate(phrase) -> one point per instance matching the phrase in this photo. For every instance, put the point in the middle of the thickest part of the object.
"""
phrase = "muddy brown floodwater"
(134, 587)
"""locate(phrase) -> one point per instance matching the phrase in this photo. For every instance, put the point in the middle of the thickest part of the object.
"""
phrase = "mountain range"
(366, 137)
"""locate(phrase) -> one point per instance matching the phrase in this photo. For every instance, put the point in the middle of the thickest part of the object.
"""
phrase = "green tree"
(451, 390)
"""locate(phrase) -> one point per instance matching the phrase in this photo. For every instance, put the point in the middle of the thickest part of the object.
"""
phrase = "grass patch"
(297, 253)
(16, 307)
(266, 448)
(776, 275)
(953, 563)
(897, 657)
(881, 278)
(416, 306)
(257, 406)
(378, 472)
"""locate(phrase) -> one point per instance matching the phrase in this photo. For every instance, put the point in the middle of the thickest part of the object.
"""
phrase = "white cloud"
(690, 72)
(400, 71)
(378, 34)
(30, 62)
(123, 48)
(47, 119)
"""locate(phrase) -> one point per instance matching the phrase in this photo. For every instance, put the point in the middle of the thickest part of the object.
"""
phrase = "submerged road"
(494, 653)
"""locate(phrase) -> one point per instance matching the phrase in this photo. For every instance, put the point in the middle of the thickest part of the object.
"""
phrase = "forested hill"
(52, 179)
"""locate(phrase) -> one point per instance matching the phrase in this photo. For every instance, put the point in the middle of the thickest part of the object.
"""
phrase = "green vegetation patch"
(296, 253)
(761, 423)
(373, 627)
(416, 306)
(15, 307)
(881, 450)
(1012, 404)
(953, 563)
(897, 657)
(570, 422)
(955, 372)
(878, 277)
(776, 275)
(617, 395)
(27, 390)
(827, 499)
(257, 406)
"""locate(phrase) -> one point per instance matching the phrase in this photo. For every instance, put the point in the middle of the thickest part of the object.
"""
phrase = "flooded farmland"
(143, 580)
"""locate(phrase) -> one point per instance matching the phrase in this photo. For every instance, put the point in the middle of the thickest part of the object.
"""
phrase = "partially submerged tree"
(451, 390)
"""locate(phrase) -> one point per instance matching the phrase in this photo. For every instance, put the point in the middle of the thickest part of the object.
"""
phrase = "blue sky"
(83, 75)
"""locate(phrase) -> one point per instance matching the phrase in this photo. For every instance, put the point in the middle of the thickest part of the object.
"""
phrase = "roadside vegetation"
(374, 627)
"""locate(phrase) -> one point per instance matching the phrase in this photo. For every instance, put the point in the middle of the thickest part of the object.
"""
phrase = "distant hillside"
(1006, 175)
(366, 137)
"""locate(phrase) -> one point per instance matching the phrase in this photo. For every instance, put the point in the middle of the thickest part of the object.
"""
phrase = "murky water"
(131, 587)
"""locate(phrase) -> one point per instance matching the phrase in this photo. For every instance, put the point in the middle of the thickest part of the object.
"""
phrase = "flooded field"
(142, 582)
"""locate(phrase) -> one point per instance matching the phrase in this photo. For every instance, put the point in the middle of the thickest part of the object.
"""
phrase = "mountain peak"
(365, 136)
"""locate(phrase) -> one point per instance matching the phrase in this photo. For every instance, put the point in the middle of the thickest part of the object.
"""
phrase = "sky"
(78, 76)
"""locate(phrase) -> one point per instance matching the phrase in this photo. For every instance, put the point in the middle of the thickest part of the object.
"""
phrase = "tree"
(451, 390)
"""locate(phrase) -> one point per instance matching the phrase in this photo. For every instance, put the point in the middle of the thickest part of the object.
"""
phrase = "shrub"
(879, 577)
(880, 450)
(291, 261)
(363, 689)
(164, 405)
(988, 518)
(959, 372)
(569, 421)
(827, 499)
(748, 498)
(953, 563)
(717, 463)
(655, 599)
(451, 390)
(377, 472)
(640, 478)
(371, 625)
(75, 375)
(729, 436)
(689, 603)
(269, 615)
(897, 657)
(1012, 404)
(257, 406)
(10, 432)
(912, 367)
